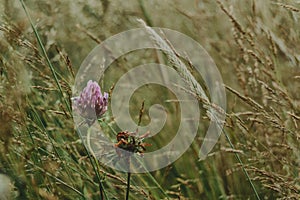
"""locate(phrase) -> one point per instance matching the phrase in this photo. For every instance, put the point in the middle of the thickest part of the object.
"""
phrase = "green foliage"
(254, 45)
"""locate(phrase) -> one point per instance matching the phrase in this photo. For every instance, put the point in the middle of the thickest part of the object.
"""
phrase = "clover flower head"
(91, 103)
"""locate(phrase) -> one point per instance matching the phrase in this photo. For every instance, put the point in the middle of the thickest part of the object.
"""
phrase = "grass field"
(256, 47)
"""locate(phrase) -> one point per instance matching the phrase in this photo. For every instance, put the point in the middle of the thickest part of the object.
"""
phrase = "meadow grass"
(253, 43)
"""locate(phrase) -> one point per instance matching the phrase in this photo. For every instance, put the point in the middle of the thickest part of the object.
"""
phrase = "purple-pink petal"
(91, 102)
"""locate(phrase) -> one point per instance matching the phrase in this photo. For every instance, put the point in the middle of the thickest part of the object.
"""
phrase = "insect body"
(130, 142)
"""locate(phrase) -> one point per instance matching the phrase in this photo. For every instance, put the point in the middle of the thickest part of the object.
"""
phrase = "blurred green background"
(255, 45)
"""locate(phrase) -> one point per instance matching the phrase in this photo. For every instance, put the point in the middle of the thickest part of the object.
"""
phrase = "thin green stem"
(128, 179)
(45, 55)
(94, 161)
(237, 156)
(128, 185)
(152, 178)
(242, 164)
(50, 175)
(51, 140)
(145, 13)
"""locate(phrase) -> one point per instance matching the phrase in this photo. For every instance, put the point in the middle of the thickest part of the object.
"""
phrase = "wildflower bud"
(91, 103)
